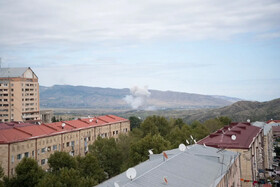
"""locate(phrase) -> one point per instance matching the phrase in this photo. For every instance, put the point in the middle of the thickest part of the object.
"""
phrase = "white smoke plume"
(138, 96)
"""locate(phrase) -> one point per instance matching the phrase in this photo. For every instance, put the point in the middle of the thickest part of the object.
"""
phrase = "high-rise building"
(19, 95)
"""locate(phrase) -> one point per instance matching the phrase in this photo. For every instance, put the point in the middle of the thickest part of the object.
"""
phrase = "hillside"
(66, 96)
(241, 111)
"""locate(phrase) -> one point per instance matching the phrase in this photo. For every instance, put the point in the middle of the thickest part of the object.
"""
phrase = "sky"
(217, 47)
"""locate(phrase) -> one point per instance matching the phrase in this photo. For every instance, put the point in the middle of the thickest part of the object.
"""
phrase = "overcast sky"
(217, 47)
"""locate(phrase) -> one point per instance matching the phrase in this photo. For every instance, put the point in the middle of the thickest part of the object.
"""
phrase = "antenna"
(116, 184)
(187, 142)
(191, 137)
(151, 152)
(182, 147)
(233, 137)
(131, 173)
(63, 125)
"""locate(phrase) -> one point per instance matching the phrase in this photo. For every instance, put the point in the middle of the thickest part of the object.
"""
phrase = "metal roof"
(197, 166)
(245, 134)
(12, 72)
(266, 127)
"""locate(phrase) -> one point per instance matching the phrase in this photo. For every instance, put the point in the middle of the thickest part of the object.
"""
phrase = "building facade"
(246, 140)
(19, 140)
(19, 95)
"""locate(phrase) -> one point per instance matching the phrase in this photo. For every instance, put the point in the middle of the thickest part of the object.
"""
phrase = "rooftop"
(12, 72)
(15, 131)
(273, 121)
(222, 138)
(196, 166)
(266, 127)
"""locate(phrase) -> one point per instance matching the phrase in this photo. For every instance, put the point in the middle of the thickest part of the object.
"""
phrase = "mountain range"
(67, 96)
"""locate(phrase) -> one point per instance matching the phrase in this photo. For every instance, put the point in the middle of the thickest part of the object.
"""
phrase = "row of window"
(4, 84)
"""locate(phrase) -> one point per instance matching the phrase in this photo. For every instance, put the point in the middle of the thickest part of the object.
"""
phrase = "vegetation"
(108, 157)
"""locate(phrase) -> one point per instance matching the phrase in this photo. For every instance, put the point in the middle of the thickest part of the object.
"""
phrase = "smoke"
(137, 97)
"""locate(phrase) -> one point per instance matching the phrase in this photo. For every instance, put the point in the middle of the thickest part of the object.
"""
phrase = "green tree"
(28, 173)
(89, 167)
(134, 122)
(54, 119)
(198, 130)
(139, 150)
(1, 175)
(108, 155)
(213, 124)
(224, 120)
(59, 160)
(66, 177)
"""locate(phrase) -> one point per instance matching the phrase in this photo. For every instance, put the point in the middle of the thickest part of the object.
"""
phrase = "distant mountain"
(66, 96)
(241, 111)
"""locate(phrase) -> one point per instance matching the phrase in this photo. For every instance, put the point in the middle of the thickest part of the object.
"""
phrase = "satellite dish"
(187, 142)
(233, 137)
(182, 147)
(116, 184)
(63, 125)
(248, 120)
(151, 152)
(204, 145)
(90, 120)
(131, 173)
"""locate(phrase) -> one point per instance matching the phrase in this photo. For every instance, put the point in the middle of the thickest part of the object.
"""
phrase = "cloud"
(69, 21)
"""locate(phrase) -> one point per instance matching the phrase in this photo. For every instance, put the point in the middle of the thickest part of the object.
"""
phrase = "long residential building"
(18, 140)
(19, 95)
(245, 139)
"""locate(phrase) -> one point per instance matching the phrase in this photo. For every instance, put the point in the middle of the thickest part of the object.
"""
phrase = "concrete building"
(18, 140)
(245, 139)
(197, 166)
(19, 95)
(46, 116)
(267, 143)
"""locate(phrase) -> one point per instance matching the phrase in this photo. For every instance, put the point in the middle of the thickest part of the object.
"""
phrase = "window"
(33, 153)
(13, 159)
(19, 156)
(72, 143)
(43, 150)
(43, 161)
(26, 154)
(67, 144)
(49, 148)
(54, 147)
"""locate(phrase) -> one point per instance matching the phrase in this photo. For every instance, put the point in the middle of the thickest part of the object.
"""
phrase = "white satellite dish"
(150, 152)
(182, 147)
(116, 184)
(63, 125)
(131, 173)
(248, 120)
(187, 142)
(233, 137)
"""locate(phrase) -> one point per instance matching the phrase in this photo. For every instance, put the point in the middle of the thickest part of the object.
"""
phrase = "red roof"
(276, 128)
(13, 132)
(273, 121)
(244, 132)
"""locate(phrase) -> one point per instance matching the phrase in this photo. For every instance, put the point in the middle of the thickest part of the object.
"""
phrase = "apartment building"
(18, 140)
(19, 95)
(246, 140)
(197, 166)
(267, 143)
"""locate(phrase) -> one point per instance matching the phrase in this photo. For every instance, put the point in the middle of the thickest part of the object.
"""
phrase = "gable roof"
(245, 134)
(12, 72)
(14, 131)
(198, 166)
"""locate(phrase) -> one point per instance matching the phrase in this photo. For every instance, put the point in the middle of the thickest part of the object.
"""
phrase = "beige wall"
(75, 143)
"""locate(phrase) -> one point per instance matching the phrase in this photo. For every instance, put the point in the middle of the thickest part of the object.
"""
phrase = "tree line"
(108, 157)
